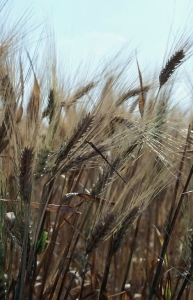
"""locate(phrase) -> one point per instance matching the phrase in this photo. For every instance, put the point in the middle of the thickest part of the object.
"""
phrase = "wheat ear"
(100, 232)
(172, 64)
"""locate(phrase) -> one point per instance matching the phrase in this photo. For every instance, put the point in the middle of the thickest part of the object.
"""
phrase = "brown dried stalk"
(53, 208)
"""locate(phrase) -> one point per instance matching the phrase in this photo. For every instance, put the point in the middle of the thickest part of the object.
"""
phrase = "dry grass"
(94, 197)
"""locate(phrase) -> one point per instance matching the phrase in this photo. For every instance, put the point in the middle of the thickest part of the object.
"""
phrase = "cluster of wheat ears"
(95, 182)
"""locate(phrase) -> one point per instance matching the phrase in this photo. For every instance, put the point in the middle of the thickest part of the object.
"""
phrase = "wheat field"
(95, 180)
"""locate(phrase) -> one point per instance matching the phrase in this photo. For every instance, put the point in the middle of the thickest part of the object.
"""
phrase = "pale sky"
(88, 30)
(93, 28)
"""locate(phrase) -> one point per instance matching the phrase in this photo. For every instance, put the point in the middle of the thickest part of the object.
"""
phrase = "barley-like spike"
(120, 235)
(141, 94)
(21, 79)
(104, 178)
(101, 183)
(3, 144)
(19, 114)
(82, 92)
(34, 102)
(172, 64)
(75, 163)
(107, 87)
(121, 120)
(4, 141)
(100, 232)
(7, 91)
(42, 160)
(12, 187)
(3, 131)
(25, 177)
(78, 160)
(131, 93)
(79, 132)
(7, 121)
(130, 149)
(49, 110)
(9, 102)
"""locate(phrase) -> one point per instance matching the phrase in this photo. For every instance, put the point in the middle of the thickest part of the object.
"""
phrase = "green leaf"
(41, 243)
